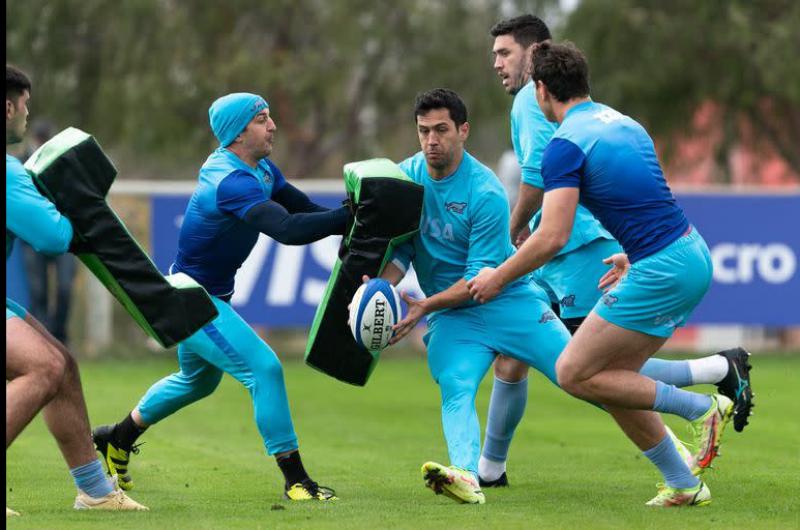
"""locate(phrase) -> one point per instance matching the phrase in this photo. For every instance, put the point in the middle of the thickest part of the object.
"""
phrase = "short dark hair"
(441, 98)
(17, 82)
(562, 68)
(526, 29)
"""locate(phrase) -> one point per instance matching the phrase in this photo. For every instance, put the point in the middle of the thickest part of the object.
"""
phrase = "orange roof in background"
(751, 162)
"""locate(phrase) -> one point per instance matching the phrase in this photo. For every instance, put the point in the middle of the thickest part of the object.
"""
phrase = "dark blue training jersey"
(613, 161)
(214, 241)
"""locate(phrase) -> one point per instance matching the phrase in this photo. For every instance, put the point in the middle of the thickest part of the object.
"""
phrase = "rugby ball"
(374, 310)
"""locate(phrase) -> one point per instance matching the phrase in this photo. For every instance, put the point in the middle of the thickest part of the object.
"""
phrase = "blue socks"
(676, 373)
(506, 407)
(91, 479)
(667, 459)
(687, 405)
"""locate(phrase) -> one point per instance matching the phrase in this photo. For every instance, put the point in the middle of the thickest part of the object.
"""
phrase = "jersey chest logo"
(455, 207)
(437, 229)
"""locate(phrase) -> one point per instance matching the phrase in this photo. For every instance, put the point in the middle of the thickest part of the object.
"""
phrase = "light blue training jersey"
(30, 216)
(530, 133)
(613, 161)
(464, 226)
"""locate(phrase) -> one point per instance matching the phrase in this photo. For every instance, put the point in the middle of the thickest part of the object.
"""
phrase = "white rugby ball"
(374, 310)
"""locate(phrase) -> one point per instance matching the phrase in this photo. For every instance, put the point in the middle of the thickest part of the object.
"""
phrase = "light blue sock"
(673, 400)
(667, 459)
(91, 479)
(506, 407)
(675, 373)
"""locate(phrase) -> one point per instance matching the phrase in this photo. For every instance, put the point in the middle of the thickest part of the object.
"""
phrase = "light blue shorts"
(571, 279)
(518, 324)
(660, 291)
(13, 309)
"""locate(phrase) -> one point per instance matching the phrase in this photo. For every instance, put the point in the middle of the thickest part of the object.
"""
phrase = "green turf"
(570, 466)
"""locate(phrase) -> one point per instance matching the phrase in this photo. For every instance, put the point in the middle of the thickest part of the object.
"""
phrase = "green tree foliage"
(659, 61)
(340, 76)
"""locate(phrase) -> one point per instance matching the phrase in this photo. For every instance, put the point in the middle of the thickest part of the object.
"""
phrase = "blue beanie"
(229, 115)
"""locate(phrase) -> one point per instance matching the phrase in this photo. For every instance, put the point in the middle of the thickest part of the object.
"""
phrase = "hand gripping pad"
(74, 173)
(388, 207)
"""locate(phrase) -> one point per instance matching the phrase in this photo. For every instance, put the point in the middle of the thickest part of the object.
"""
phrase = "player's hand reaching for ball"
(416, 310)
(619, 268)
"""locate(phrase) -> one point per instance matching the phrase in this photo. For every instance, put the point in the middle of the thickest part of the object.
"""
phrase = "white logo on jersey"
(608, 115)
(437, 229)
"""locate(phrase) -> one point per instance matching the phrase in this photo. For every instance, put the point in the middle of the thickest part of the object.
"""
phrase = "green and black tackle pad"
(388, 207)
(75, 174)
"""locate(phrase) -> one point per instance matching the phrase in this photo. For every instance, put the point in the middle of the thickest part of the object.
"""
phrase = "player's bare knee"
(569, 377)
(49, 370)
(509, 369)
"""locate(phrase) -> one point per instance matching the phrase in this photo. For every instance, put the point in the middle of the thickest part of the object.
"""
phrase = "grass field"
(569, 466)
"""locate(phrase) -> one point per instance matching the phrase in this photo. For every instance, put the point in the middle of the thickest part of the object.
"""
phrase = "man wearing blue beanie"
(241, 193)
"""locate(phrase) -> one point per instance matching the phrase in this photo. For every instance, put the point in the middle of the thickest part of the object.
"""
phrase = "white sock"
(490, 470)
(708, 370)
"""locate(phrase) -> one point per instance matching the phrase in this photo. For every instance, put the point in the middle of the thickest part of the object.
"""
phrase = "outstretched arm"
(240, 194)
(274, 220)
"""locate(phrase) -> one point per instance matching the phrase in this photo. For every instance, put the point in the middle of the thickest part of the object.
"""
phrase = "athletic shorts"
(519, 323)
(660, 291)
(571, 279)
(13, 309)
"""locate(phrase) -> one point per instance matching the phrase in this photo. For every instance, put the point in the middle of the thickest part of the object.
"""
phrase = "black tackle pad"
(388, 207)
(75, 174)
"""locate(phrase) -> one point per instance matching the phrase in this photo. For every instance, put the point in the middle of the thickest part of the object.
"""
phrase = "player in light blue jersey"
(571, 278)
(464, 228)
(608, 162)
(41, 373)
(240, 194)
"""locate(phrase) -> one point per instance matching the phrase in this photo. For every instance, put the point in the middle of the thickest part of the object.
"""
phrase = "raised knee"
(568, 378)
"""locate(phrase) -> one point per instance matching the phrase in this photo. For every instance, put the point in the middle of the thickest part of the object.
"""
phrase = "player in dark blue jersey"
(240, 194)
(608, 162)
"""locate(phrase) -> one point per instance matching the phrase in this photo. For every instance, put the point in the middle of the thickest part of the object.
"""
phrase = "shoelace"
(314, 489)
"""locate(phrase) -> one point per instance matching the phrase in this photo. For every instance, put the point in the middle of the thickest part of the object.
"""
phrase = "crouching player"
(608, 162)
(240, 195)
(41, 373)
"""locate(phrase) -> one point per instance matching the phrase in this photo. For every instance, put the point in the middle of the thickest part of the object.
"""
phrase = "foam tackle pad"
(75, 174)
(387, 206)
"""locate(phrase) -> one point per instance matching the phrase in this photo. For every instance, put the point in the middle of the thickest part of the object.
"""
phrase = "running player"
(571, 278)
(609, 160)
(241, 193)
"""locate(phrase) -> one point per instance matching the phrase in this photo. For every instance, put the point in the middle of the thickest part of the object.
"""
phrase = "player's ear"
(463, 131)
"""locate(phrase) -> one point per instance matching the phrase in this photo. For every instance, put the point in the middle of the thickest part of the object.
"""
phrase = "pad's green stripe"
(323, 305)
(59, 144)
(102, 273)
(354, 172)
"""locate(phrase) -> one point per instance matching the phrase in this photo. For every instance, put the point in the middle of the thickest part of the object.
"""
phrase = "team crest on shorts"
(568, 301)
(609, 300)
(547, 316)
(455, 207)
